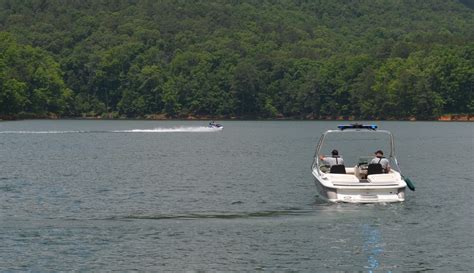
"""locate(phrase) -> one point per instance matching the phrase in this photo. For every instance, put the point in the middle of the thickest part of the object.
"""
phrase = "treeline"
(379, 59)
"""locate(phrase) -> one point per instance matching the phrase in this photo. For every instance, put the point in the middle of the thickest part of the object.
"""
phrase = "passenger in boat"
(334, 160)
(379, 159)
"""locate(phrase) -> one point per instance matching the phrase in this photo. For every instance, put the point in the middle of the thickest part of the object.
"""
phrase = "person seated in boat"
(335, 159)
(379, 159)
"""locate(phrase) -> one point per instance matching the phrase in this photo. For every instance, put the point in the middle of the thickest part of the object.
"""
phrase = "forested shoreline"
(301, 59)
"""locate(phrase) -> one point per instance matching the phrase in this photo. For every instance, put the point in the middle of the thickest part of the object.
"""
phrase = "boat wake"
(200, 129)
(216, 215)
(42, 132)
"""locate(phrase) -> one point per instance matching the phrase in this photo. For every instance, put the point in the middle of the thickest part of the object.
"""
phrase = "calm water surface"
(174, 196)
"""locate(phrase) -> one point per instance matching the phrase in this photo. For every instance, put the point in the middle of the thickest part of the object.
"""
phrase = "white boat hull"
(220, 127)
(352, 191)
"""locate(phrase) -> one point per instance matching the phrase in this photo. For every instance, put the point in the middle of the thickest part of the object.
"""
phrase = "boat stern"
(347, 189)
(370, 196)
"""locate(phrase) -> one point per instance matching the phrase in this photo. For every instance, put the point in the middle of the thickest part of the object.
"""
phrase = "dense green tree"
(291, 58)
(31, 81)
(451, 75)
(246, 86)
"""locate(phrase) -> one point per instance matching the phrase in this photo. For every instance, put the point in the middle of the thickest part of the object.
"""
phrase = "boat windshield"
(356, 147)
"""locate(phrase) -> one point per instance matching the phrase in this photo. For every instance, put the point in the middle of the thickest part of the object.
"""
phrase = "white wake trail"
(41, 132)
(200, 129)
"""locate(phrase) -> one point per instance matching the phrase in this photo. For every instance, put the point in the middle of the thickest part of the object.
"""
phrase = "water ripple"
(217, 215)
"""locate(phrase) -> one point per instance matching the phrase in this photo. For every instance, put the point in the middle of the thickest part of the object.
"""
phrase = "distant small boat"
(215, 125)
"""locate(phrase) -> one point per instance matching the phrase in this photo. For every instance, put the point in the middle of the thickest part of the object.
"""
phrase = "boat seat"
(375, 168)
(386, 179)
(342, 179)
(338, 169)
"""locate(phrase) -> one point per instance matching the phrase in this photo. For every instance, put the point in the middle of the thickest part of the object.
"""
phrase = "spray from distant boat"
(195, 129)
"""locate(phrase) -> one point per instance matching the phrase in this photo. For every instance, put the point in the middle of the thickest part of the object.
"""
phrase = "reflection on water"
(372, 246)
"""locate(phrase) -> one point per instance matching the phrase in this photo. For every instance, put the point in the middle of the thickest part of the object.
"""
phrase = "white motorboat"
(362, 182)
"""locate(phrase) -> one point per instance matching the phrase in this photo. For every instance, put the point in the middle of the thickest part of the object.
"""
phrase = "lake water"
(176, 196)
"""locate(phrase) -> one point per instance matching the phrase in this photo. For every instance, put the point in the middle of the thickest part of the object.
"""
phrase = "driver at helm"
(379, 159)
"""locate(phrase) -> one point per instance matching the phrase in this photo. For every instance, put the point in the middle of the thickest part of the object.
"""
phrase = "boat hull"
(362, 194)
(216, 127)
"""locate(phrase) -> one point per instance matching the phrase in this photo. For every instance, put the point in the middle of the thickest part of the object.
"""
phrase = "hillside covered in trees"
(370, 59)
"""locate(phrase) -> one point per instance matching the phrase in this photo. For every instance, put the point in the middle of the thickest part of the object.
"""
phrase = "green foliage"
(30, 80)
(292, 58)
